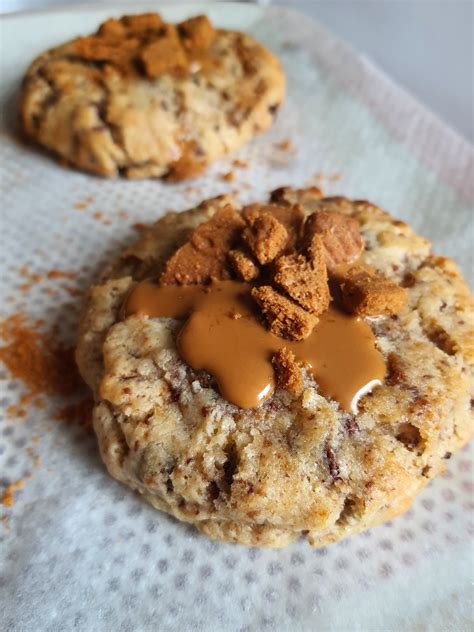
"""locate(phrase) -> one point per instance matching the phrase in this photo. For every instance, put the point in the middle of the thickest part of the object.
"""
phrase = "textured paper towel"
(81, 552)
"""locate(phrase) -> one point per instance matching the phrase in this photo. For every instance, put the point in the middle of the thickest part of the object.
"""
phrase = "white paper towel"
(81, 552)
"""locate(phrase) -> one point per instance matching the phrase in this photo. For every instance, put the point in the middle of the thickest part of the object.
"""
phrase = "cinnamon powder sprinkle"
(78, 413)
(36, 358)
(8, 497)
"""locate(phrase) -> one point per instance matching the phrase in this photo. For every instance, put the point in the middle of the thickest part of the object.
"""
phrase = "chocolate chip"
(351, 425)
(333, 465)
(173, 394)
(213, 490)
(273, 109)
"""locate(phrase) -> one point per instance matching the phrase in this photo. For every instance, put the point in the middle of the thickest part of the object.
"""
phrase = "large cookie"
(142, 98)
(298, 464)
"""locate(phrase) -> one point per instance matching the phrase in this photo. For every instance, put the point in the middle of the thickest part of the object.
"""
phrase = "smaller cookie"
(142, 98)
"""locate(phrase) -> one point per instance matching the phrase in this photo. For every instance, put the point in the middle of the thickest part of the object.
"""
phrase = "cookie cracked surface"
(297, 465)
(124, 102)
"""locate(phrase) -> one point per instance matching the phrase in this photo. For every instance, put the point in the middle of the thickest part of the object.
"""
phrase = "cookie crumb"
(204, 256)
(306, 283)
(340, 234)
(366, 292)
(264, 235)
(286, 145)
(243, 265)
(287, 372)
(197, 33)
(291, 215)
(240, 164)
(285, 318)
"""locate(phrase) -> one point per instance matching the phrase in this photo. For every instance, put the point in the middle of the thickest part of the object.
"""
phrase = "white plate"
(80, 551)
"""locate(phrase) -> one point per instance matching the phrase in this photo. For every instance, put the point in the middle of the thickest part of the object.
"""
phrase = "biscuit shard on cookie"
(95, 48)
(290, 216)
(306, 283)
(340, 234)
(287, 196)
(264, 235)
(140, 23)
(243, 266)
(165, 54)
(287, 371)
(285, 319)
(368, 293)
(197, 33)
(204, 257)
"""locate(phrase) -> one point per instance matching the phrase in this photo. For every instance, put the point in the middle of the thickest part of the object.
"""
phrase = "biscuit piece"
(197, 33)
(264, 235)
(285, 319)
(367, 293)
(304, 282)
(141, 98)
(204, 257)
(290, 215)
(340, 235)
(165, 54)
(243, 266)
(308, 198)
(287, 372)
(296, 466)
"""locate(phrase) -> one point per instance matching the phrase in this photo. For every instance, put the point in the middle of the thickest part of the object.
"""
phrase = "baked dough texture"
(108, 118)
(297, 465)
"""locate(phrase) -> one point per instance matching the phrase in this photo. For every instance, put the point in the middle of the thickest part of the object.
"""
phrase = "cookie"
(146, 99)
(299, 464)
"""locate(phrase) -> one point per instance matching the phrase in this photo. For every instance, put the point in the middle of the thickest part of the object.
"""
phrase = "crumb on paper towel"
(228, 177)
(82, 204)
(139, 227)
(320, 178)
(102, 218)
(34, 456)
(55, 273)
(8, 496)
(240, 164)
(286, 145)
(34, 278)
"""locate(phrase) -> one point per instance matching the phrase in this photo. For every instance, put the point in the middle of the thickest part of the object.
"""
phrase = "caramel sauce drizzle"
(224, 336)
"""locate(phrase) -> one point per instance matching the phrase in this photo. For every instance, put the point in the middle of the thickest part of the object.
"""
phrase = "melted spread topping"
(224, 336)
